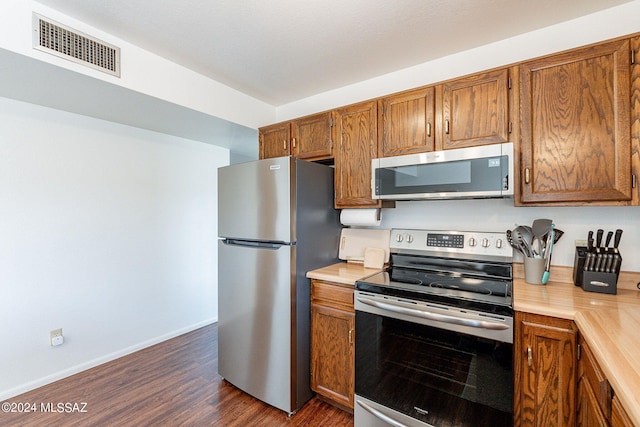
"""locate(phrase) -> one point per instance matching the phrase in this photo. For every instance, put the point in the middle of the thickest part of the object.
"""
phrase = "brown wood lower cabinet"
(597, 404)
(332, 338)
(619, 417)
(545, 371)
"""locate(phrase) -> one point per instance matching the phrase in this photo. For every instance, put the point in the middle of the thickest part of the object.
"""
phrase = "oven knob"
(499, 243)
(485, 243)
(409, 238)
(472, 241)
(399, 238)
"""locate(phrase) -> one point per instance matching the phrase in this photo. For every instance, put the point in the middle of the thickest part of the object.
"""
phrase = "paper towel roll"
(360, 217)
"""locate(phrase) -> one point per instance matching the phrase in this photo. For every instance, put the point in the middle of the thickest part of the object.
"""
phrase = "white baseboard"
(31, 385)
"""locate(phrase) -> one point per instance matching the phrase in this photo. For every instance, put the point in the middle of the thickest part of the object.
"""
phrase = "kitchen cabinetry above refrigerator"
(307, 138)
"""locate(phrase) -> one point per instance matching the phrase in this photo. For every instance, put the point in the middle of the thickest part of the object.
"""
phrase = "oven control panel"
(477, 243)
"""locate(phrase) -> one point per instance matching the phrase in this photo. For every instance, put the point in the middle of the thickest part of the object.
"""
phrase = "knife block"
(594, 281)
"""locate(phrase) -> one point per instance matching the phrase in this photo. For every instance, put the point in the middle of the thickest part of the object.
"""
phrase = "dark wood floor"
(173, 383)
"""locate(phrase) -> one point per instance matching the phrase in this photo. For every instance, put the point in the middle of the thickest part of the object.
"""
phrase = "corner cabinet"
(594, 391)
(598, 406)
(355, 135)
(576, 126)
(307, 138)
(332, 342)
(545, 367)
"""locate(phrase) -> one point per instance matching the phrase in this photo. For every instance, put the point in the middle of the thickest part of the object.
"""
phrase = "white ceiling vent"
(62, 41)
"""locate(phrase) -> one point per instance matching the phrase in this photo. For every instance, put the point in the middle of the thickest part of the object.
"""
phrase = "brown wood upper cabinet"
(576, 126)
(465, 112)
(274, 140)
(355, 133)
(475, 110)
(307, 138)
(407, 122)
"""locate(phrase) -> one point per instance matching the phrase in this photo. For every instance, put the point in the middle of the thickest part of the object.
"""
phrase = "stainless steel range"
(434, 333)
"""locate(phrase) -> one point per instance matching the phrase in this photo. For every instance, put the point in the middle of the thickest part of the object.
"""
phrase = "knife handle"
(616, 240)
(599, 234)
(608, 240)
(616, 263)
(598, 262)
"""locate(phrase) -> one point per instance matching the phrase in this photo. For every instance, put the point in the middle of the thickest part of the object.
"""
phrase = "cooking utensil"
(557, 234)
(522, 238)
(547, 268)
(540, 227)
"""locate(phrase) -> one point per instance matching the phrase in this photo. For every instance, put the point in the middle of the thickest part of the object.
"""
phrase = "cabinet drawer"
(332, 294)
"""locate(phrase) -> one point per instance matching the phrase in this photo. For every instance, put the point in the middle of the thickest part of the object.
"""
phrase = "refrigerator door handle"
(255, 244)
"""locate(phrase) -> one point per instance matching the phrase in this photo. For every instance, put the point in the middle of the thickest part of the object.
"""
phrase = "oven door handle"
(433, 316)
(387, 419)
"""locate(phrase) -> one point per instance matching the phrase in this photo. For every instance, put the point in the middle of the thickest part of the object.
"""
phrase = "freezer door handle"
(255, 244)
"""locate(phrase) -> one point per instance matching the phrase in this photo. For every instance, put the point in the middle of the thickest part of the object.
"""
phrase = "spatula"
(540, 228)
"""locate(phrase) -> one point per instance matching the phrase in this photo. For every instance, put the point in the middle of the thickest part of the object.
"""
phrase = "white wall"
(142, 71)
(610, 23)
(500, 215)
(108, 232)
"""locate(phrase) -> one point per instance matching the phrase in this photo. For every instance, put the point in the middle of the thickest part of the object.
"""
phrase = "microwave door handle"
(387, 419)
(434, 316)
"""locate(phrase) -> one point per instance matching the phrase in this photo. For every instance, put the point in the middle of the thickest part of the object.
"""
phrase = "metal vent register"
(75, 46)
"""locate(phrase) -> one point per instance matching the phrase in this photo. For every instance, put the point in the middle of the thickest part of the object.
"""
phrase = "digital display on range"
(445, 240)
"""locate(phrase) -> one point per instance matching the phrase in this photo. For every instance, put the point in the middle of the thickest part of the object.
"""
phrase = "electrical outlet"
(56, 337)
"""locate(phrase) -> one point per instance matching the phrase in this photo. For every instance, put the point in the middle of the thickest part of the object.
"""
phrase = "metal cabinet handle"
(527, 175)
(446, 126)
(350, 334)
(429, 130)
(293, 144)
(284, 144)
(529, 356)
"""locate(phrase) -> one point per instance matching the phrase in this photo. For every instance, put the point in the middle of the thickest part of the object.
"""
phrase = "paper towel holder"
(361, 217)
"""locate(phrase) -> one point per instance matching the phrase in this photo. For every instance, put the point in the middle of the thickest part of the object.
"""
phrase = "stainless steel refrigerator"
(276, 221)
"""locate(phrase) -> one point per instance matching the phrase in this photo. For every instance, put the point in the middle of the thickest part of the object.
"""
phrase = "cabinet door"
(408, 123)
(356, 145)
(635, 120)
(545, 371)
(619, 417)
(475, 110)
(274, 140)
(332, 356)
(311, 137)
(575, 126)
(589, 412)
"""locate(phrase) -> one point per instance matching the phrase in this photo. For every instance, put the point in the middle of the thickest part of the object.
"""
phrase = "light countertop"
(342, 272)
(609, 323)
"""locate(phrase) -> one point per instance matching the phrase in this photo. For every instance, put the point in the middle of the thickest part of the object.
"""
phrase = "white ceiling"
(281, 51)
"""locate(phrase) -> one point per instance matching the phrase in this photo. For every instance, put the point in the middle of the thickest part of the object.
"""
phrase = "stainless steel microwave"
(476, 172)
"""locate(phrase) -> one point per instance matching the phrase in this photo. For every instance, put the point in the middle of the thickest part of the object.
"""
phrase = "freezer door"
(255, 324)
(254, 200)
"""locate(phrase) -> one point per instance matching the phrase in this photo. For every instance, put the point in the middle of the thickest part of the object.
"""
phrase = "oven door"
(435, 368)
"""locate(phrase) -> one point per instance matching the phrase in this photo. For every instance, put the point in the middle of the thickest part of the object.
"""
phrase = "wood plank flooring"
(174, 383)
